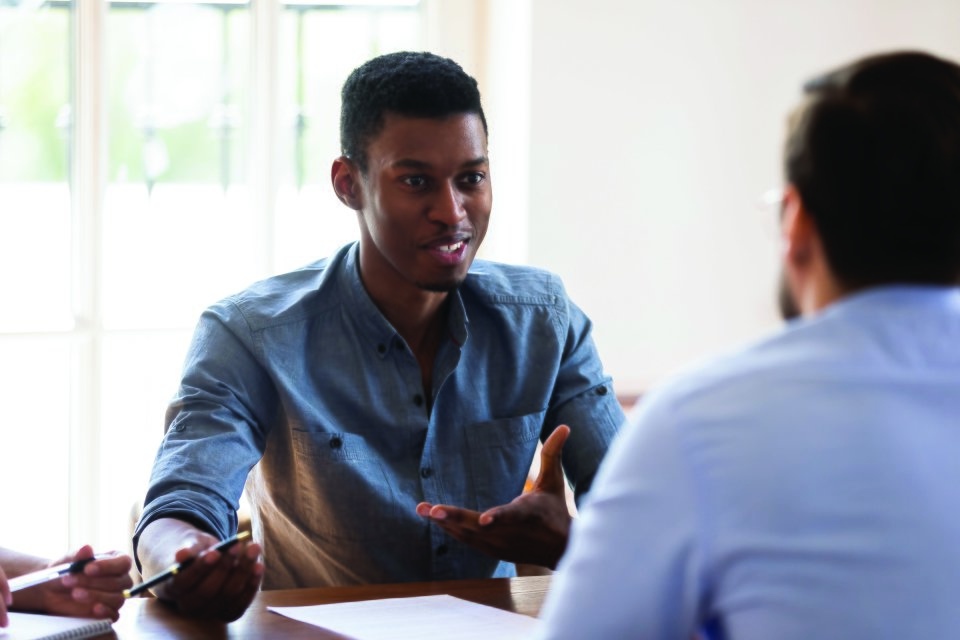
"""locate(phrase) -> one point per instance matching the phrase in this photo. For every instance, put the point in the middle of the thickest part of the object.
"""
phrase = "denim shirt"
(299, 389)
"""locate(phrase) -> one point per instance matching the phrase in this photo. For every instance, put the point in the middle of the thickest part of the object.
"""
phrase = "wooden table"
(148, 618)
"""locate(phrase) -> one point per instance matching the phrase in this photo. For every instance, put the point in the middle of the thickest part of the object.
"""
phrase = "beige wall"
(654, 127)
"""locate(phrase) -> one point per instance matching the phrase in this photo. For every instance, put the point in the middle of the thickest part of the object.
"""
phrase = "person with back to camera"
(807, 487)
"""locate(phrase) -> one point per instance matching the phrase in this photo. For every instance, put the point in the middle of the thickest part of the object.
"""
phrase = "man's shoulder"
(288, 297)
(500, 283)
(801, 351)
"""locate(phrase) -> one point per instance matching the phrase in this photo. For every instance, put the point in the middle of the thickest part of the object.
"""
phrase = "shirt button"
(336, 442)
(426, 472)
(601, 391)
(381, 348)
(442, 550)
(418, 400)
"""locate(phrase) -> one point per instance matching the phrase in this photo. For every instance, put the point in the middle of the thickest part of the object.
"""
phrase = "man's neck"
(420, 318)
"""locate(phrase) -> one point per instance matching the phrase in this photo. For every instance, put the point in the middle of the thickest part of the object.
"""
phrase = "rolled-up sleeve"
(583, 398)
(215, 427)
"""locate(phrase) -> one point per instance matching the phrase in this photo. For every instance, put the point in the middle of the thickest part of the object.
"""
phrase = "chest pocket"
(343, 489)
(501, 452)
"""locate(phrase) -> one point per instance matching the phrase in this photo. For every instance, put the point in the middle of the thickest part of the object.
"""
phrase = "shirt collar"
(373, 324)
(887, 298)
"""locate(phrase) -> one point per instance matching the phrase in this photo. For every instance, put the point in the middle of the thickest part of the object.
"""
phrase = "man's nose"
(448, 207)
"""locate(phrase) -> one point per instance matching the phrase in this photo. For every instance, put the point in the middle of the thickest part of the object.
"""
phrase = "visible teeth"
(450, 248)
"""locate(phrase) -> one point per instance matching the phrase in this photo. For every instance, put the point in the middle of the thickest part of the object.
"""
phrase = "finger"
(499, 512)
(504, 514)
(466, 534)
(454, 515)
(240, 603)
(239, 591)
(550, 478)
(111, 599)
(236, 582)
(106, 583)
(84, 552)
(115, 566)
(423, 509)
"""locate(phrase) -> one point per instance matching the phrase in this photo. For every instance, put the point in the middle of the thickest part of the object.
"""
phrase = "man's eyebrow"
(476, 162)
(410, 163)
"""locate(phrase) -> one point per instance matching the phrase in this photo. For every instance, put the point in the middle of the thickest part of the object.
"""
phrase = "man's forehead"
(393, 121)
(412, 140)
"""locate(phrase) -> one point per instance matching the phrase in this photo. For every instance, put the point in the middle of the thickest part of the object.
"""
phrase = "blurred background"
(157, 156)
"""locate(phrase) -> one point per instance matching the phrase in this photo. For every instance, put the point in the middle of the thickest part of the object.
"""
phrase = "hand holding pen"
(80, 584)
(206, 581)
(181, 566)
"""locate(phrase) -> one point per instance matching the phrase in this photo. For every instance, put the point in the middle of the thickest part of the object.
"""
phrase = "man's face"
(426, 202)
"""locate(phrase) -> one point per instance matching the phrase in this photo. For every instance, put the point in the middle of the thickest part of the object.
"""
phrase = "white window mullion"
(264, 111)
(87, 178)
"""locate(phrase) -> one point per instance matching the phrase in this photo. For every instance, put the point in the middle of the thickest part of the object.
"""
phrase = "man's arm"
(97, 592)
(217, 584)
(224, 405)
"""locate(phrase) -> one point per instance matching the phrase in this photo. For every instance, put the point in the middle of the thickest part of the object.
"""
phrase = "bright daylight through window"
(154, 157)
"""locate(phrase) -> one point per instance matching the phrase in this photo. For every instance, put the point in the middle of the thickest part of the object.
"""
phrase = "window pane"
(178, 228)
(34, 93)
(34, 443)
(176, 93)
(35, 246)
(140, 375)
(35, 235)
(168, 256)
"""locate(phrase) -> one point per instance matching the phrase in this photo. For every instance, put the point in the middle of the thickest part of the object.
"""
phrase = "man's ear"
(345, 177)
(800, 239)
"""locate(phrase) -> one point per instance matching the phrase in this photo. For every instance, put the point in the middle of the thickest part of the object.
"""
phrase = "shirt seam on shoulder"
(300, 317)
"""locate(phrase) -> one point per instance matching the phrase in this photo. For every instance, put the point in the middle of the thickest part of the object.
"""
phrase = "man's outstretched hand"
(531, 529)
(218, 585)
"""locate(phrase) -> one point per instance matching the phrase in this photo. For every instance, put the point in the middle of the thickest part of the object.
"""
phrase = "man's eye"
(415, 181)
(474, 178)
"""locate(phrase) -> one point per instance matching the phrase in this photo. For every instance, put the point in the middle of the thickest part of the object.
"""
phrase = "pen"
(51, 573)
(180, 566)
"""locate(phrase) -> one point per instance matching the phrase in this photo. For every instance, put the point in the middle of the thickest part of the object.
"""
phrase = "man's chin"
(443, 286)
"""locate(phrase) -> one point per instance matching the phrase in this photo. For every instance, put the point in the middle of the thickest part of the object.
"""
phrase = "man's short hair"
(875, 155)
(412, 84)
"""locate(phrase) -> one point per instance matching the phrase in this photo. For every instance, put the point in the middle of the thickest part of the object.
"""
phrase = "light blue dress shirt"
(808, 487)
(301, 379)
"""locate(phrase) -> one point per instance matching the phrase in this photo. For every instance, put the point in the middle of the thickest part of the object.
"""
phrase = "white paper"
(421, 618)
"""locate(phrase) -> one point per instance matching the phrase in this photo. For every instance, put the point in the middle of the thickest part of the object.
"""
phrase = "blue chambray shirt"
(301, 390)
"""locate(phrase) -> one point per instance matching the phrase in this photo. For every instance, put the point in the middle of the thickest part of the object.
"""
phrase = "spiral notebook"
(33, 626)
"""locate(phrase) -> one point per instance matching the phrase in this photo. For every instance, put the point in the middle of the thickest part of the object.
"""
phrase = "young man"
(97, 592)
(808, 486)
(372, 387)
